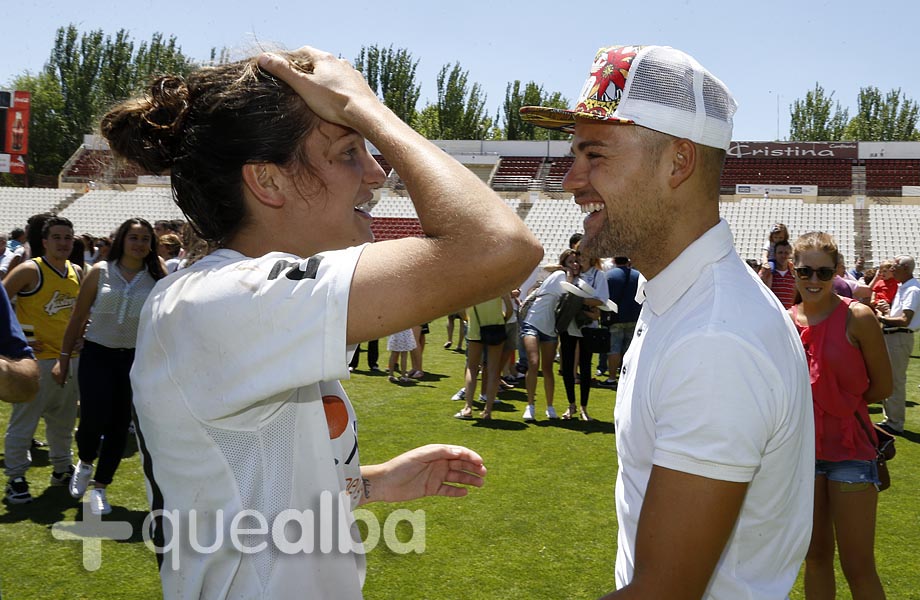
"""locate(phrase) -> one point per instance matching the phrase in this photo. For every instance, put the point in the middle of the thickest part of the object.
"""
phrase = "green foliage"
(532, 95)
(426, 122)
(391, 74)
(85, 74)
(220, 57)
(543, 526)
(815, 119)
(46, 152)
(888, 118)
(459, 113)
(892, 117)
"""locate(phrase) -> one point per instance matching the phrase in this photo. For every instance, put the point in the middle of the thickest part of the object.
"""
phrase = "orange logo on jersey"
(336, 415)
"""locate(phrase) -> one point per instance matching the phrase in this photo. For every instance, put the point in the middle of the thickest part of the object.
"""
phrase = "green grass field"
(543, 526)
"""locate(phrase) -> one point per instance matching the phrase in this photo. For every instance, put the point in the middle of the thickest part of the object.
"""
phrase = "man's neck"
(59, 265)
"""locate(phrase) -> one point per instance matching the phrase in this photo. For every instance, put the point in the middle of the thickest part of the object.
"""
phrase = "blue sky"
(769, 53)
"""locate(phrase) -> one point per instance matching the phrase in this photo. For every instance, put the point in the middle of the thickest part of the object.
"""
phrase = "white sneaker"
(80, 479)
(460, 395)
(98, 503)
(551, 412)
(482, 397)
(528, 413)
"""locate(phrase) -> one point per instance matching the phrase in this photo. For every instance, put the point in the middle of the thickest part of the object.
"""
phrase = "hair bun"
(148, 130)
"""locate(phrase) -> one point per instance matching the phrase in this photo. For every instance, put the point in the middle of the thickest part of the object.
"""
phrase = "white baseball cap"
(656, 87)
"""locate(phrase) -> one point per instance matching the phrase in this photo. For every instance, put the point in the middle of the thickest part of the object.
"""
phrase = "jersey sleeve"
(714, 407)
(13, 342)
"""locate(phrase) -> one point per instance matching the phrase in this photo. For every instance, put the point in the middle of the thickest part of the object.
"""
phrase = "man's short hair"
(782, 243)
(54, 221)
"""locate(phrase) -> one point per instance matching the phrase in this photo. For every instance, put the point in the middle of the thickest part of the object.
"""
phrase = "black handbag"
(884, 451)
(595, 340)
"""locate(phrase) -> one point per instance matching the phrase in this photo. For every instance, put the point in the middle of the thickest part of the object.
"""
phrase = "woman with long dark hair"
(111, 297)
(849, 369)
(239, 407)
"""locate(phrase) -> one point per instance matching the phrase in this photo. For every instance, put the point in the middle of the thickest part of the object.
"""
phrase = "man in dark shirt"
(622, 281)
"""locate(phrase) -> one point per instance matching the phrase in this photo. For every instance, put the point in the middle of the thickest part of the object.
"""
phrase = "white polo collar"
(663, 290)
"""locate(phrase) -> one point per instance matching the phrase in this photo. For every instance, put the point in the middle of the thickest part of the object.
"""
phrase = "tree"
(892, 118)
(815, 119)
(533, 95)
(391, 74)
(426, 122)
(85, 74)
(459, 113)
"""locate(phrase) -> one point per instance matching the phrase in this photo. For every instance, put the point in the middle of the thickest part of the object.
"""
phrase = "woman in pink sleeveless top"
(849, 369)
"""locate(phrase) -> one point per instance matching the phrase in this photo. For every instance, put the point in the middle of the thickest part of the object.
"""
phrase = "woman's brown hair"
(203, 129)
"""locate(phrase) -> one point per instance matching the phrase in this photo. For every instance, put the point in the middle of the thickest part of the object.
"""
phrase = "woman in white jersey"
(241, 418)
(110, 298)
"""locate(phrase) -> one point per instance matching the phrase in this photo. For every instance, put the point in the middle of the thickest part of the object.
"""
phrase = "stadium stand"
(394, 207)
(832, 176)
(885, 177)
(517, 173)
(751, 219)
(553, 222)
(100, 212)
(895, 230)
(863, 202)
(557, 170)
(89, 165)
(18, 204)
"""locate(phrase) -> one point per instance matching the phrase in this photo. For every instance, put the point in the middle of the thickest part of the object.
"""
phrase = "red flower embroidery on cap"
(612, 68)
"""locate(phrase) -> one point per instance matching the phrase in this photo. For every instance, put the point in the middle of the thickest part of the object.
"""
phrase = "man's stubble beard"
(638, 236)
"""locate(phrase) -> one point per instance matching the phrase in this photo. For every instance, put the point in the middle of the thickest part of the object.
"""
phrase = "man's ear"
(264, 181)
(684, 159)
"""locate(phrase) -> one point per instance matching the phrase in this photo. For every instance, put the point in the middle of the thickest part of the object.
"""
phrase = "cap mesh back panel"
(715, 99)
(663, 82)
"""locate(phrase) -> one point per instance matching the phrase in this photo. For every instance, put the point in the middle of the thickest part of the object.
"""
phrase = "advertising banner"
(13, 163)
(793, 150)
(777, 190)
(17, 124)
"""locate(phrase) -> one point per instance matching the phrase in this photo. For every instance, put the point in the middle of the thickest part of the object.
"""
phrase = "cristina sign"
(793, 150)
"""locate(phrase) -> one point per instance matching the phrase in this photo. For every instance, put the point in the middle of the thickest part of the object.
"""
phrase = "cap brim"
(561, 119)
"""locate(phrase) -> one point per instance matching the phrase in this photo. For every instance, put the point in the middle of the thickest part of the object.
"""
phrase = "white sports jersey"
(247, 437)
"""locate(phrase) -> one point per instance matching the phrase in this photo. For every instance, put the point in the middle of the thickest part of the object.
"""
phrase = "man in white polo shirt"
(714, 423)
(899, 325)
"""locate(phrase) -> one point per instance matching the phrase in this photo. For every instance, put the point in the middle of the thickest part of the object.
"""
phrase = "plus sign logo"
(91, 530)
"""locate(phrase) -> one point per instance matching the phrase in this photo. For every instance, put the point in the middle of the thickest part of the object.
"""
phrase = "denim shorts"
(621, 335)
(528, 329)
(848, 471)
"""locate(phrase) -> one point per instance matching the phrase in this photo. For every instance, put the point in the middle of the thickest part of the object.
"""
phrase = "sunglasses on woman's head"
(824, 273)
